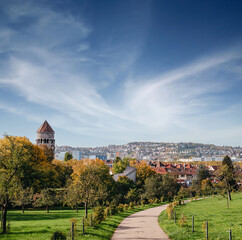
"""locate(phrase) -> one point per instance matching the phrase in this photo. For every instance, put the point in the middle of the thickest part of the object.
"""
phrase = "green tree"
(46, 198)
(73, 196)
(120, 165)
(23, 197)
(227, 175)
(202, 174)
(21, 164)
(68, 156)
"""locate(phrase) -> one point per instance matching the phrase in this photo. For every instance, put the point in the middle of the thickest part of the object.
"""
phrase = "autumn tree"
(144, 171)
(94, 181)
(21, 164)
(120, 165)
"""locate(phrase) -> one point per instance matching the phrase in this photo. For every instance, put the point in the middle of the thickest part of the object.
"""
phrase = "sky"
(117, 71)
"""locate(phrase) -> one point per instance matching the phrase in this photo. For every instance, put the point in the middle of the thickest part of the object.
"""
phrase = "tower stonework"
(46, 135)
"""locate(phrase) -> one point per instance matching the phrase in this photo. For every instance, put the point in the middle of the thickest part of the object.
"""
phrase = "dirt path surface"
(141, 225)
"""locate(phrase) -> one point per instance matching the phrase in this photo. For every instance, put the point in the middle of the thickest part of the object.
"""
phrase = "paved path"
(141, 225)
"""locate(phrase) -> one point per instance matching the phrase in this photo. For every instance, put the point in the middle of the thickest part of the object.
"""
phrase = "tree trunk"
(229, 195)
(1, 217)
(47, 209)
(5, 209)
(76, 208)
(22, 208)
(86, 209)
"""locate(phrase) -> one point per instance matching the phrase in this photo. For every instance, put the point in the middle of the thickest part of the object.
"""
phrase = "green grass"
(220, 219)
(38, 225)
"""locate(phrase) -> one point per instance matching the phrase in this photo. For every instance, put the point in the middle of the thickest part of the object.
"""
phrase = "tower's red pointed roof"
(45, 127)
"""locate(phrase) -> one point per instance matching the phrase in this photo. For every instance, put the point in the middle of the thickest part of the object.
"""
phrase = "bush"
(183, 220)
(131, 205)
(120, 208)
(58, 235)
(151, 201)
(126, 207)
(112, 210)
(73, 220)
(142, 202)
(98, 214)
(176, 203)
(107, 212)
(170, 210)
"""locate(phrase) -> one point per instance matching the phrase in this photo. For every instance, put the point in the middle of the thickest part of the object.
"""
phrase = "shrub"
(170, 210)
(131, 205)
(112, 210)
(183, 220)
(120, 208)
(98, 214)
(142, 202)
(73, 220)
(151, 201)
(107, 212)
(58, 235)
(126, 207)
(176, 203)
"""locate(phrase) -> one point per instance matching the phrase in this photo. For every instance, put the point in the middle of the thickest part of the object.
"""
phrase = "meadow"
(214, 210)
(39, 225)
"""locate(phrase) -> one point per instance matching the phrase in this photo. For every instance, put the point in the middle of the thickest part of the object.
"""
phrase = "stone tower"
(46, 135)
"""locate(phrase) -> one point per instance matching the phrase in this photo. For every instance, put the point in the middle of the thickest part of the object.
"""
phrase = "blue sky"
(111, 72)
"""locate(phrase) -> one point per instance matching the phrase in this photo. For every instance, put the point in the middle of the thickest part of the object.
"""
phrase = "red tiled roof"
(45, 127)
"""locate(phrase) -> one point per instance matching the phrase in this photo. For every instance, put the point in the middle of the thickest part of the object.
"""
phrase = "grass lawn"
(38, 225)
(220, 219)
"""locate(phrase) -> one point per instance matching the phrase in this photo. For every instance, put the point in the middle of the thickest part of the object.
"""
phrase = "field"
(214, 210)
(38, 225)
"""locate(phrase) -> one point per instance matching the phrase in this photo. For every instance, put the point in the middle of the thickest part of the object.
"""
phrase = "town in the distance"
(179, 159)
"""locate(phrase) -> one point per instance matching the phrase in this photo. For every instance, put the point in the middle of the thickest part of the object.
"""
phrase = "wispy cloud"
(76, 85)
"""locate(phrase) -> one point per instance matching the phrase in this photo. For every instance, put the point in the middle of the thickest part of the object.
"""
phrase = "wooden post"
(230, 234)
(192, 223)
(174, 216)
(91, 220)
(227, 199)
(72, 231)
(83, 226)
(207, 230)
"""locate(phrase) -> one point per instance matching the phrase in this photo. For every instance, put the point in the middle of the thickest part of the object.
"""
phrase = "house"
(129, 172)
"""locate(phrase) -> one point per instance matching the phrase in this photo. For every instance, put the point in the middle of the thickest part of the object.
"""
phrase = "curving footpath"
(141, 225)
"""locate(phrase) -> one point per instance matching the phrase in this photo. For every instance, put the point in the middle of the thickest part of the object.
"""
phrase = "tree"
(158, 186)
(94, 181)
(227, 175)
(46, 198)
(144, 171)
(21, 164)
(68, 156)
(206, 186)
(23, 197)
(202, 174)
(120, 165)
(73, 196)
